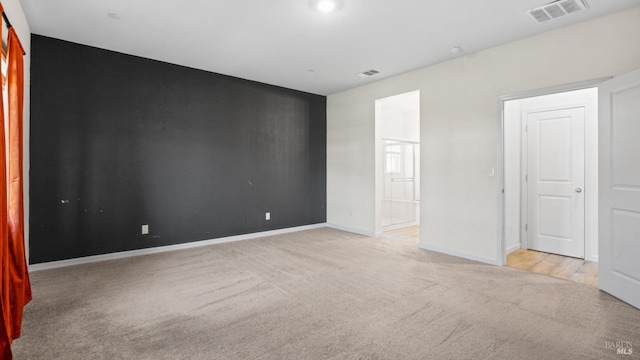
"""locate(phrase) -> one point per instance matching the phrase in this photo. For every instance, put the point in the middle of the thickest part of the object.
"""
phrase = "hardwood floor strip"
(563, 267)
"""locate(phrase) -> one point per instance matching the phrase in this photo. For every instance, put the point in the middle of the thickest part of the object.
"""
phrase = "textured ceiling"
(286, 43)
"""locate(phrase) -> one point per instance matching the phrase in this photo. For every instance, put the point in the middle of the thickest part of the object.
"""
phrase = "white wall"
(14, 12)
(459, 127)
(513, 112)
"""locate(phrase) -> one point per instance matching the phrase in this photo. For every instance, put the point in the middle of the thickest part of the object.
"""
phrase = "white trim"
(524, 183)
(554, 89)
(400, 140)
(161, 249)
(459, 254)
(354, 230)
(513, 248)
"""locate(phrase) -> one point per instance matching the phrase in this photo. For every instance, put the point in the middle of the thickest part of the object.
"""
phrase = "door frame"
(501, 255)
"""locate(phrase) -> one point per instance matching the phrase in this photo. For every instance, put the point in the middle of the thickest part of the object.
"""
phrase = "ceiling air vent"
(368, 73)
(556, 9)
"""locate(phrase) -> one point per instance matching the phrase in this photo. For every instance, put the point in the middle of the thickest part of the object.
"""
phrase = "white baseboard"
(353, 230)
(513, 248)
(160, 249)
(459, 254)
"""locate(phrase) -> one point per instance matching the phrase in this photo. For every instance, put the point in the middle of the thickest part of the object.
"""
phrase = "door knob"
(578, 190)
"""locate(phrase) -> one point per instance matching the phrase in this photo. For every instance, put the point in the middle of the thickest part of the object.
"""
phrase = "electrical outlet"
(267, 216)
(145, 229)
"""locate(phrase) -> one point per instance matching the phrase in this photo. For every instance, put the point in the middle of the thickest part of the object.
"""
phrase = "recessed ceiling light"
(326, 6)
(456, 50)
(113, 16)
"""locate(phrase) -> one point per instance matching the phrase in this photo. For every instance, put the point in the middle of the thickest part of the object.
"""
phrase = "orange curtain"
(20, 275)
(16, 289)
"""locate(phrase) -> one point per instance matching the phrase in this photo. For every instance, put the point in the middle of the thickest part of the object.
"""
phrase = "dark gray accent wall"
(118, 141)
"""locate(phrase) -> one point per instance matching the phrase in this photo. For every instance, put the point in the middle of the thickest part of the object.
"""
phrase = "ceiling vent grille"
(368, 73)
(556, 9)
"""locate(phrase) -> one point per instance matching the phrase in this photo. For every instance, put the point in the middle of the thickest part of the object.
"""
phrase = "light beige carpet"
(318, 294)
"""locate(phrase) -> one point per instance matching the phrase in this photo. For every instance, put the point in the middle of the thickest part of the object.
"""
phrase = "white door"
(619, 210)
(556, 143)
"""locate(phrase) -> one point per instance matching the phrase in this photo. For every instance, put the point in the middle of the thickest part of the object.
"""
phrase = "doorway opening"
(611, 154)
(398, 162)
(550, 153)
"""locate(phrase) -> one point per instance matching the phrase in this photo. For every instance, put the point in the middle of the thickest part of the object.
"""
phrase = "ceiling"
(287, 43)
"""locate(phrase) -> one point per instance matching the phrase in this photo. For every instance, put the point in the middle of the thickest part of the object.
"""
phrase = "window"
(393, 159)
